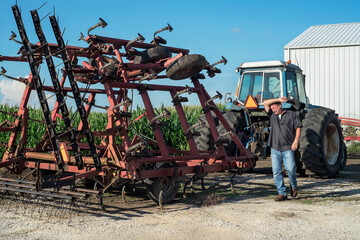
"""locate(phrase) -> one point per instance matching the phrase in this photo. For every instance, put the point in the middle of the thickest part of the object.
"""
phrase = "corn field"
(173, 133)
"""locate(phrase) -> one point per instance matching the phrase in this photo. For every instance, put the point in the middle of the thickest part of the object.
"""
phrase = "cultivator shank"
(69, 152)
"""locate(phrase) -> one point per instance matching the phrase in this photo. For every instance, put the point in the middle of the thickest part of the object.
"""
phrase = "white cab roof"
(268, 64)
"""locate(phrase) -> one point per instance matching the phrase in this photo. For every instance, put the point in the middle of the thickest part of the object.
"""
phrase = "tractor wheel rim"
(331, 144)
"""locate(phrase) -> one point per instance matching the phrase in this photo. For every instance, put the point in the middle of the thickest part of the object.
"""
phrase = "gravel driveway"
(324, 209)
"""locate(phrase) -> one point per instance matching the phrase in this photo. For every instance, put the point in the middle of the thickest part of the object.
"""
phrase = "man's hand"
(294, 145)
(283, 99)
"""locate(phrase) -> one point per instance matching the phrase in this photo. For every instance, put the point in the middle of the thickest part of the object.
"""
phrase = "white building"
(329, 55)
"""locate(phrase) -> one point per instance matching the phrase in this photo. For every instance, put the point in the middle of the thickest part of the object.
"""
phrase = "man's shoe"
(280, 197)
(293, 192)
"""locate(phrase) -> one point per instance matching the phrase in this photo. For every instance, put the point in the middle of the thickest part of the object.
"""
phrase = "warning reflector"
(251, 103)
(64, 153)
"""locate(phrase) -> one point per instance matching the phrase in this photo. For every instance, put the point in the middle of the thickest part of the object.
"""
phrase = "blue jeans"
(277, 157)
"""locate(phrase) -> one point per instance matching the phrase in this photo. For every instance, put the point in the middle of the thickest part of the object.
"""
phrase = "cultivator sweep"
(68, 153)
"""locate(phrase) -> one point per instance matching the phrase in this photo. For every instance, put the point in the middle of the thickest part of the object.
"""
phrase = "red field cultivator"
(110, 66)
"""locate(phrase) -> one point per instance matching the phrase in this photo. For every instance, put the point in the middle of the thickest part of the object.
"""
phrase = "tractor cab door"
(294, 86)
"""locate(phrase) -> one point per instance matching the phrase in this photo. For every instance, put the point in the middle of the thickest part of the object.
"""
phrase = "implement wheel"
(186, 66)
(168, 185)
(321, 142)
(152, 54)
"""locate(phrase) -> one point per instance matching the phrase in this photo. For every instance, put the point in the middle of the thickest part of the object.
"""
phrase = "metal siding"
(332, 77)
(327, 35)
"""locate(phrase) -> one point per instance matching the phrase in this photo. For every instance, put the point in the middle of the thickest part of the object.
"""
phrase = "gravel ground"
(324, 209)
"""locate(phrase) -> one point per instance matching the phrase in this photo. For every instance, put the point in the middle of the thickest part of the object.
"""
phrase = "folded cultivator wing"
(68, 153)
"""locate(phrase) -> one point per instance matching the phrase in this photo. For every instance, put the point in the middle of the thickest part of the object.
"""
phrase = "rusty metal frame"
(116, 159)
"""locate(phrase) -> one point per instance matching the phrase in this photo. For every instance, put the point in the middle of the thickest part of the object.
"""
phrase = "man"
(283, 140)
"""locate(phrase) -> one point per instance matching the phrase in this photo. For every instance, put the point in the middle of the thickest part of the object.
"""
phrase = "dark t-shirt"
(283, 130)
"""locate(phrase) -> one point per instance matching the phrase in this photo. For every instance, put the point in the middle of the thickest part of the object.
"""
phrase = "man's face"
(276, 108)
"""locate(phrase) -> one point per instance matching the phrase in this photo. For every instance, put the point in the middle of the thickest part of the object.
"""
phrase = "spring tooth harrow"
(112, 67)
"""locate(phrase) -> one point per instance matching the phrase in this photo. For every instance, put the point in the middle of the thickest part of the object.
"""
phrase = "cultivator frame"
(110, 62)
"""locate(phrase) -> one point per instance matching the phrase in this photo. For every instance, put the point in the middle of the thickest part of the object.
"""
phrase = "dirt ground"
(324, 209)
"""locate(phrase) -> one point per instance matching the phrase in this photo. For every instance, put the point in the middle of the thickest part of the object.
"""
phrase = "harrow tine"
(52, 208)
(26, 204)
(44, 206)
(86, 205)
(72, 206)
(34, 206)
(58, 209)
(9, 205)
(18, 203)
(61, 212)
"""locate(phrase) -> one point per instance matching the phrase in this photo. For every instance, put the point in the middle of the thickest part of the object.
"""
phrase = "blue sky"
(240, 31)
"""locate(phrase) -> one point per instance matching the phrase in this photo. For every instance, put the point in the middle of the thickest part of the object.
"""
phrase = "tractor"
(321, 151)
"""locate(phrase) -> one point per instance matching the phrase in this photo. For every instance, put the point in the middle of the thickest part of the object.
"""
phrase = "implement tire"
(169, 185)
(186, 66)
(321, 141)
(152, 54)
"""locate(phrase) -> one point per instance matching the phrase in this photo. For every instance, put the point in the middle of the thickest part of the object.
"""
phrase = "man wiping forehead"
(283, 140)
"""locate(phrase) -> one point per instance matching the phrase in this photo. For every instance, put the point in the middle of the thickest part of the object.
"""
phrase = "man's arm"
(295, 144)
(268, 102)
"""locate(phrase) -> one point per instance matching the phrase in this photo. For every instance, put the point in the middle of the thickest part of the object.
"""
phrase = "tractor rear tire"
(344, 157)
(186, 66)
(205, 142)
(152, 54)
(169, 185)
(237, 122)
(321, 140)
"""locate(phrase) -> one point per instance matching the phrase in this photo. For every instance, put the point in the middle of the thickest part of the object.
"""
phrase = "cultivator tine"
(161, 200)
(148, 77)
(155, 120)
(140, 38)
(18, 79)
(102, 24)
(158, 39)
(127, 103)
(187, 90)
(218, 95)
(123, 194)
(223, 60)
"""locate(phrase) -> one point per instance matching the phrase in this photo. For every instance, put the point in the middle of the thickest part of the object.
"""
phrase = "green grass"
(354, 147)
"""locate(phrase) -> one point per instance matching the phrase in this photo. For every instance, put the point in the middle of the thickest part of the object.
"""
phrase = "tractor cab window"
(295, 88)
(291, 85)
(301, 84)
(260, 85)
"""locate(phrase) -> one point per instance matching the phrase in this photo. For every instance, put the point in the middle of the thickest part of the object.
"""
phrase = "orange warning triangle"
(251, 103)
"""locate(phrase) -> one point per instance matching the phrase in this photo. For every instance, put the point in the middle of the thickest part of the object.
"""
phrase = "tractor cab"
(259, 81)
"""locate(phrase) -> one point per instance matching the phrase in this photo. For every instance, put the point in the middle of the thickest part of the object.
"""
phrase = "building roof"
(268, 64)
(344, 34)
